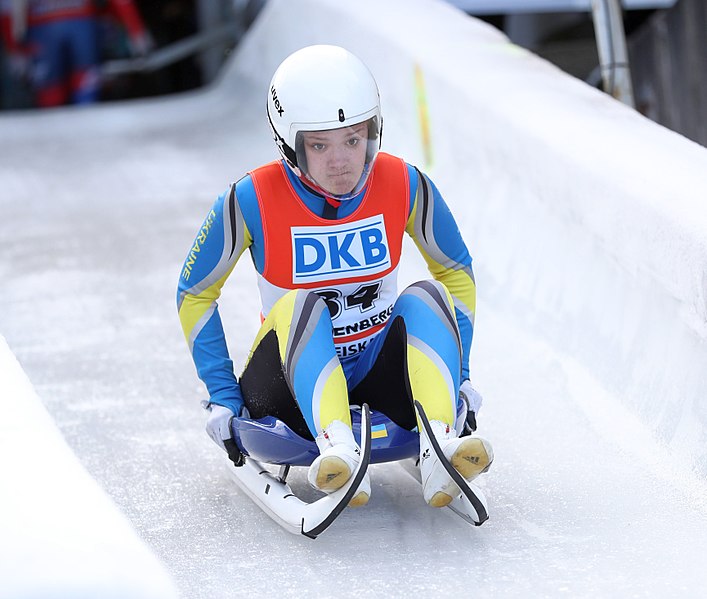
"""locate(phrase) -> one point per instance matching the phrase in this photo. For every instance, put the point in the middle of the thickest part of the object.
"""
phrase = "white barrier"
(583, 217)
(60, 534)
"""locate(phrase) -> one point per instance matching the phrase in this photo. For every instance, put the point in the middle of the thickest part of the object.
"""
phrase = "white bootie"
(470, 456)
(338, 459)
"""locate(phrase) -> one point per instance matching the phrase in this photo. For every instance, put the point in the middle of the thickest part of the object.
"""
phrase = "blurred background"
(650, 54)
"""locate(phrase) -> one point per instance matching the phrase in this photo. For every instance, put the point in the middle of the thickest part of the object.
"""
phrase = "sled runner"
(270, 441)
(273, 495)
(471, 504)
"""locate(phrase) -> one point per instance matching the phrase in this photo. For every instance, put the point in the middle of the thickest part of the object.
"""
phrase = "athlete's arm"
(218, 245)
(434, 231)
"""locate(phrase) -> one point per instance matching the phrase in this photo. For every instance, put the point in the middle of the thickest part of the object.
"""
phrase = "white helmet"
(319, 88)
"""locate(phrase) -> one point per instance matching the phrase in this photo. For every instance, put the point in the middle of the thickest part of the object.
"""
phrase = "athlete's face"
(335, 158)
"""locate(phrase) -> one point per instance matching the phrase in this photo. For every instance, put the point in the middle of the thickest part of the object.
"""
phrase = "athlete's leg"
(295, 345)
(422, 338)
(293, 371)
(49, 65)
(433, 348)
(417, 356)
(82, 41)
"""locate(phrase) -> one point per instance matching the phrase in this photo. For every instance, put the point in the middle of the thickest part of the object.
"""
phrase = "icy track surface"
(99, 208)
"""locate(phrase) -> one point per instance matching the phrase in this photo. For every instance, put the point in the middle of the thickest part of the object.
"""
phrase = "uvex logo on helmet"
(276, 101)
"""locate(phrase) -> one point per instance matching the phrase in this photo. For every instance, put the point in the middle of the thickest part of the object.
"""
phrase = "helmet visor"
(337, 162)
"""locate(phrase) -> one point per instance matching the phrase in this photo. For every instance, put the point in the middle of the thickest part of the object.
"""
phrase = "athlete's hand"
(473, 400)
(218, 424)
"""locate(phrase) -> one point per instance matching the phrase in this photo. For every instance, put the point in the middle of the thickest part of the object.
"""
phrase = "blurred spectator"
(55, 45)
(169, 21)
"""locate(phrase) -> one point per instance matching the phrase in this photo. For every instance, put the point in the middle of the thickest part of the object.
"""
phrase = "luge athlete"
(324, 226)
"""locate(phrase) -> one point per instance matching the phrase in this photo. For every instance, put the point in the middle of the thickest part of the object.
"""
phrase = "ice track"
(98, 210)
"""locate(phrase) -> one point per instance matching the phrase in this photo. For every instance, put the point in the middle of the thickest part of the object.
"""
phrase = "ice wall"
(587, 221)
(61, 536)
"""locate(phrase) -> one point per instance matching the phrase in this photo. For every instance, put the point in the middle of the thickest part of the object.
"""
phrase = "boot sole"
(359, 500)
(440, 499)
(333, 474)
(471, 458)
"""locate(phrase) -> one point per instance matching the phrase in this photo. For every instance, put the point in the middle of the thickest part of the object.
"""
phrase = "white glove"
(473, 401)
(218, 424)
(473, 397)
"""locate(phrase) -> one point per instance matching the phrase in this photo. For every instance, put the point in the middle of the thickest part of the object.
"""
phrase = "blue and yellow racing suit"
(328, 287)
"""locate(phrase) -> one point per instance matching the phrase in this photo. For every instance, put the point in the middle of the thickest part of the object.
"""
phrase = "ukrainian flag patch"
(378, 431)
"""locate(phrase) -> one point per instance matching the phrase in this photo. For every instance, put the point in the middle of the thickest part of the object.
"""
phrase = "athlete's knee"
(432, 290)
(297, 305)
(429, 301)
(292, 298)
